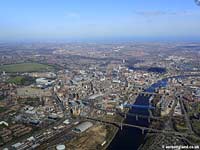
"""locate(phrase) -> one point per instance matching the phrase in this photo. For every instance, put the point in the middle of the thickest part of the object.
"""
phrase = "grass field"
(25, 67)
(21, 80)
(16, 80)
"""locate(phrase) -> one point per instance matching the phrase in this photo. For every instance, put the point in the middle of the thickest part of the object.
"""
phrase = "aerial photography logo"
(197, 2)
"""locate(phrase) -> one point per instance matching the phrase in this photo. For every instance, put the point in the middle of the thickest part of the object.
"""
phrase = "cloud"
(155, 13)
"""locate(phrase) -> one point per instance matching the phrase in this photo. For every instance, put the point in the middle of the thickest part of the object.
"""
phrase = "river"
(131, 138)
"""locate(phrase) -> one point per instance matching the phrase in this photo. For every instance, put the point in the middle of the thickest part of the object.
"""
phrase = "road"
(187, 119)
(62, 107)
(120, 124)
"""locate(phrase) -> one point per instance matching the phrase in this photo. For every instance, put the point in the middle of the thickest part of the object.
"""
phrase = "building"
(60, 147)
(43, 81)
(82, 127)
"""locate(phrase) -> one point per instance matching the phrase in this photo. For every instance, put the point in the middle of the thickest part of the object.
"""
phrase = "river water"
(131, 138)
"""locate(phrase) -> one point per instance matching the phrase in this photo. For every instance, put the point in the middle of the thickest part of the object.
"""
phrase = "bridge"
(137, 116)
(146, 93)
(139, 106)
(142, 128)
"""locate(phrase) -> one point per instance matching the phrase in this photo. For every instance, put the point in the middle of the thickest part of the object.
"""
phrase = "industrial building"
(82, 127)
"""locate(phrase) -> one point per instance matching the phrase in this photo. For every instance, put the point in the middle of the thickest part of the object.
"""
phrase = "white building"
(82, 127)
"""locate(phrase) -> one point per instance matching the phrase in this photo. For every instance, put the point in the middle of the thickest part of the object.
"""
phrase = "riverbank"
(132, 138)
(112, 136)
(116, 129)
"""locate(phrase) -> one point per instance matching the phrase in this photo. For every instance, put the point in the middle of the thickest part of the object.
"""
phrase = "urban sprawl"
(80, 96)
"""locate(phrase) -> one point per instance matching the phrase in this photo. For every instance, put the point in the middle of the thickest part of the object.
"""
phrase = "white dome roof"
(60, 147)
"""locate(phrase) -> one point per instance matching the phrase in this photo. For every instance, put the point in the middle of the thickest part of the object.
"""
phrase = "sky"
(99, 19)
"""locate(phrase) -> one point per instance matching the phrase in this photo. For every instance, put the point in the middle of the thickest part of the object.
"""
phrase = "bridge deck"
(139, 127)
(140, 106)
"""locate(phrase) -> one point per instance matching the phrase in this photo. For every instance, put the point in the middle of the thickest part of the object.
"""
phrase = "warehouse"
(82, 127)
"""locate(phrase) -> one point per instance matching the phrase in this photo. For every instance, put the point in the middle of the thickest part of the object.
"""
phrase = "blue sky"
(99, 19)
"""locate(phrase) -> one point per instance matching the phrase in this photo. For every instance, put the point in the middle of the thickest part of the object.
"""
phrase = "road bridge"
(139, 106)
(125, 114)
(146, 93)
(137, 116)
(142, 128)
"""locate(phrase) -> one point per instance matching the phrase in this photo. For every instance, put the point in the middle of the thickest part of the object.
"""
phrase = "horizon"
(71, 21)
(99, 74)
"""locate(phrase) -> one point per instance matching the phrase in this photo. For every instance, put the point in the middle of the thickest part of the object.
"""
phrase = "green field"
(16, 80)
(21, 80)
(25, 67)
